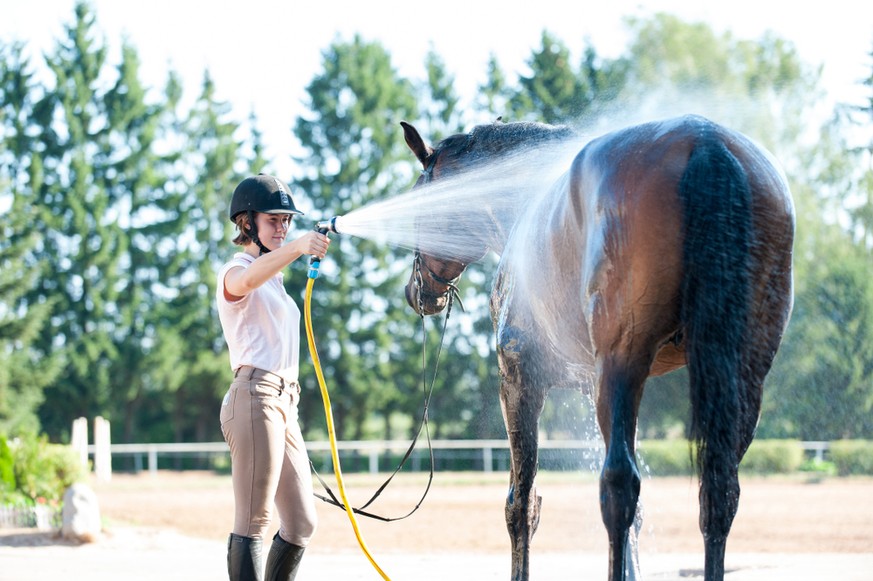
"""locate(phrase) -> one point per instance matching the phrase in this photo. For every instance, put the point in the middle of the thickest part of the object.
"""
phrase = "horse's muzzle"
(424, 304)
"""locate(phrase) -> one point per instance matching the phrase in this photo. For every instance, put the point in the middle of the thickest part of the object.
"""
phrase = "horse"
(662, 245)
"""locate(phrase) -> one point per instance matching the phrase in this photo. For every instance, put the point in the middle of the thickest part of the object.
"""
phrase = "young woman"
(261, 324)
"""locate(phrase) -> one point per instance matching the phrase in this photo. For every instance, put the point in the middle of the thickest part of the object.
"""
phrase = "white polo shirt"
(262, 329)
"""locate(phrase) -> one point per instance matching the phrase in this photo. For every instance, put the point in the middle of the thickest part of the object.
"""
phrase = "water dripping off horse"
(661, 245)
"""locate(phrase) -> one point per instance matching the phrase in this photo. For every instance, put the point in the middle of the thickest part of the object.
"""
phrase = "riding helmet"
(262, 193)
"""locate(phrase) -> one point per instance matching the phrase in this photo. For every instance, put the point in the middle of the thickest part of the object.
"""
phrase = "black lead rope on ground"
(331, 497)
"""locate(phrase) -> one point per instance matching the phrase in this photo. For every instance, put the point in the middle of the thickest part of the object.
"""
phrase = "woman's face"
(272, 229)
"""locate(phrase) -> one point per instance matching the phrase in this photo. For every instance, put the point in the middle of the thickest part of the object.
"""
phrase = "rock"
(81, 515)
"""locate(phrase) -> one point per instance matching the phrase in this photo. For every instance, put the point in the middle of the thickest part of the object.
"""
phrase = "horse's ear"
(416, 143)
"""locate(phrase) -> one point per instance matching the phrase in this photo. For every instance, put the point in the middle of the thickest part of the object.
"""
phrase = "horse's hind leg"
(720, 503)
(521, 404)
(619, 391)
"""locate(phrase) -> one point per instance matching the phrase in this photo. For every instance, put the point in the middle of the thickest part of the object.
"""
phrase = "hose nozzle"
(322, 227)
(326, 226)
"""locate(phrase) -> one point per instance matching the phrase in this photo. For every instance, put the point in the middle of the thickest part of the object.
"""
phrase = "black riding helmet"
(261, 193)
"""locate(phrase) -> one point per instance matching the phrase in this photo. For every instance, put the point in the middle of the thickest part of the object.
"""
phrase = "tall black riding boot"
(244, 559)
(283, 560)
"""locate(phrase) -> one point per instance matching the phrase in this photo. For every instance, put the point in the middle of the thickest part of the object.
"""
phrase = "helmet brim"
(291, 212)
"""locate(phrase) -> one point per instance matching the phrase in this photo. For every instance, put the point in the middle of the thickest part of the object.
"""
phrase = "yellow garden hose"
(313, 274)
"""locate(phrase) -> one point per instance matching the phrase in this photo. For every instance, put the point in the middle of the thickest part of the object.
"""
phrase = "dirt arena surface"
(174, 526)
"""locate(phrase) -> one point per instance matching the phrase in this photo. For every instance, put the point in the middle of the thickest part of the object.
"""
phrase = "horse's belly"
(669, 358)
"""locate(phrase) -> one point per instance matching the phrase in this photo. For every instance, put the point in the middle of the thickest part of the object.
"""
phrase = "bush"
(675, 457)
(852, 457)
(819, 467)
(666, 457)
(7, 471)
(773, 457)
(44, 471)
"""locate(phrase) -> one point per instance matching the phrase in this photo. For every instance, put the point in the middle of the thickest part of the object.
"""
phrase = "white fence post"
(153, 460)
(487, 459)
(79, 439)
(102, 450)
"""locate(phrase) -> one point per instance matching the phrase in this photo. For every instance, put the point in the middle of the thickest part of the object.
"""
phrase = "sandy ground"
(174, 526)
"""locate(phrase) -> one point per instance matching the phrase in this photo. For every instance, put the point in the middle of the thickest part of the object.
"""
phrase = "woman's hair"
(242, 225)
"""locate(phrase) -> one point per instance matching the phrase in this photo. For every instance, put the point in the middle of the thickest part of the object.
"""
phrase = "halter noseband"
(451, 284)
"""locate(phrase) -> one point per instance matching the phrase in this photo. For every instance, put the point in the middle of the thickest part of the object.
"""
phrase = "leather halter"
(451, 285)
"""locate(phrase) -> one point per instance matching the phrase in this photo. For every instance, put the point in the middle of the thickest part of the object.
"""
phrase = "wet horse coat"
(664, 244)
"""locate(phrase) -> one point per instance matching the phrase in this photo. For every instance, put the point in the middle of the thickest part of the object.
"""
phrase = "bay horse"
(663, 244)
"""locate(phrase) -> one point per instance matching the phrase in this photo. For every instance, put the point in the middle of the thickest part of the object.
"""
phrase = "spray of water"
(417, 218)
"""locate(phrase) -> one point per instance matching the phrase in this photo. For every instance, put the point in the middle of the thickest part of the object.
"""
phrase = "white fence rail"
(481, 451)
(373, 450)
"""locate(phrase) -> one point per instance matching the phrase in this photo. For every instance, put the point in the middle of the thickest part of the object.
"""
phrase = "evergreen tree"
(201, 372)
(355, 155)
(24, 373)
(494, 93)
(439, 107)
(134, 224)
(553, 92)
(141, 183)
(83, 244)
(860, 204)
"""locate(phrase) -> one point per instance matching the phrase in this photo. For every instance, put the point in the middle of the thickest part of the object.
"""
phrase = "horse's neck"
(537, 287)
(550, 235)
(538, 185)
(501, 221)
(499, 234)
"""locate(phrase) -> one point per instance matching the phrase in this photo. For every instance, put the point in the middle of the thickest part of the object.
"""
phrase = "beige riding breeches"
(269, 463)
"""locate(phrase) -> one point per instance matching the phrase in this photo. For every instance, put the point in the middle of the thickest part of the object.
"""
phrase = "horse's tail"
(716, 197)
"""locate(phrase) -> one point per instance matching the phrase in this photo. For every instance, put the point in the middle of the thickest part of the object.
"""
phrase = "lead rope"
(423, 425)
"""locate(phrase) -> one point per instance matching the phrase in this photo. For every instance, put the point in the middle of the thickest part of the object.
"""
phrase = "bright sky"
(262, 53)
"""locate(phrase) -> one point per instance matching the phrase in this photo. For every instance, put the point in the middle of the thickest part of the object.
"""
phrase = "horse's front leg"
(522, 404)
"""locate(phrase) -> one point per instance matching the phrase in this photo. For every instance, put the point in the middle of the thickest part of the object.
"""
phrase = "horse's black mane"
(501, 138)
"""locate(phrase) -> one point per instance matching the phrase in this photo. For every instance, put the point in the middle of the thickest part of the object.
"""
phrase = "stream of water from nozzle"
(418, 218)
